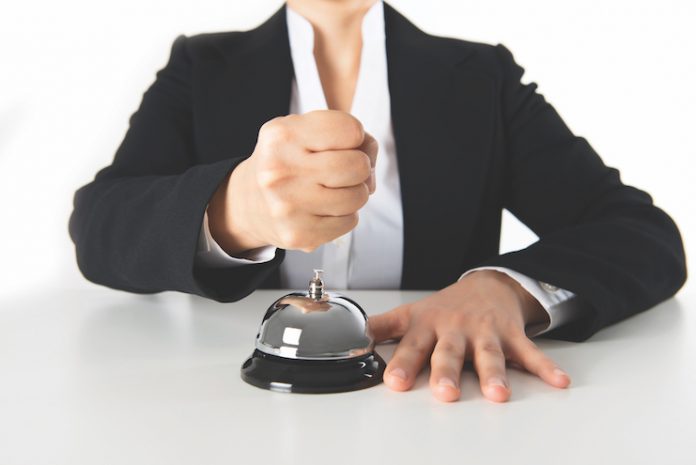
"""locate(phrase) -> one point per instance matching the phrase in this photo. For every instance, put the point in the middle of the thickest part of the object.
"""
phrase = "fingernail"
(447, 382)
(559, 372)
(497, 382)
(398, 373)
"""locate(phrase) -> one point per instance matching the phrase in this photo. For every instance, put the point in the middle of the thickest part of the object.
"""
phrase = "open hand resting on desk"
(302, 187)
(481, 317)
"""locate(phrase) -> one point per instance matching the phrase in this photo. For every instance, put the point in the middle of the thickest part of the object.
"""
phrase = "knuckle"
(363, 167)
(346, 223)
(487, 321)
(416, 344)
(446, 348)
(490, 348)
(399, 319)
(402, 320)
(354, 130)
(460, 320)
(372, 147)
(281, 209)
(269, 177)
(275, 131)
(360, 197)
(292, 240)
(434, 312)
(352, 221)
(344, 208)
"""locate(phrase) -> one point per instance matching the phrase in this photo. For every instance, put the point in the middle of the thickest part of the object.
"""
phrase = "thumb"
(391, 324)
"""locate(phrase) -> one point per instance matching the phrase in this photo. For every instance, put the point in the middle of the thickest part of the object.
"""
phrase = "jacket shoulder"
(488, 58)
(213, 45)
(273, 31)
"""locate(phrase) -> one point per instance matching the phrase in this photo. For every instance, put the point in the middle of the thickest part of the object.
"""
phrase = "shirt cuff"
(211, 255)
(561, 305)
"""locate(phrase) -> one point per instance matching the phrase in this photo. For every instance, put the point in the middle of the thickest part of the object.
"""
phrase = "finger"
(308, 232)
(327, 130)
(337, 168)
(489, 362)
(370, 147)
(389, 325)
(329, 228)
(446, 364)
(526, 353)
(335, 201)
(409, 358)
(295, 201)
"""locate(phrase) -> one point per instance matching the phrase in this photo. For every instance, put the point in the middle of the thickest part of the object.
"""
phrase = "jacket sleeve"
(599, 238)
(136, 225)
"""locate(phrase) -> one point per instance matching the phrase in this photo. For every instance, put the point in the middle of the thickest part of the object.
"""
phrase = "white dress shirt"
(370, 256)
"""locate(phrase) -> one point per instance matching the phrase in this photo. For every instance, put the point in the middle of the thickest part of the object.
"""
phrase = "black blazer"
(471, 140)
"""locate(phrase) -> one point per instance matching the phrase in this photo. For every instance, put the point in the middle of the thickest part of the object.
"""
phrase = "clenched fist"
(302, 187)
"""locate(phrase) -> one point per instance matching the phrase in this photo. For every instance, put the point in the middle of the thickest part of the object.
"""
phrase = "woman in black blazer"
(471, 141)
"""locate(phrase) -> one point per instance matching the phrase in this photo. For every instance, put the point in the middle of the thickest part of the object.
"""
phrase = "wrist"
(228, 214)
(532, 312)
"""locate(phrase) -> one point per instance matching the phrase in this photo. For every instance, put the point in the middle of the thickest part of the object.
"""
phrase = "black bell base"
(312, 376)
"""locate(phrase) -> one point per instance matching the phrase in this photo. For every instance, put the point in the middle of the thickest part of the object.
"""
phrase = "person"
(253, 157)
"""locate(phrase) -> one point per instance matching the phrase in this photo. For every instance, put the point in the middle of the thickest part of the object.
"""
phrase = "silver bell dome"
(314, 341)
(315, 325)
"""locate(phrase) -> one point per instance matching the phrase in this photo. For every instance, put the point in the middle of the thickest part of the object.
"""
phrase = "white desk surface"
(103, 377)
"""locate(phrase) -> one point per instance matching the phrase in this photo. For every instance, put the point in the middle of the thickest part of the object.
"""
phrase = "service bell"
(314, 342)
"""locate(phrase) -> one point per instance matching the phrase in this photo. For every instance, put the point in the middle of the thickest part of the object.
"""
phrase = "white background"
(622, 73)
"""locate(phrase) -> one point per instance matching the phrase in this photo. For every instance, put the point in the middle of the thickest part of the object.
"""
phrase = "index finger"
(389, 325)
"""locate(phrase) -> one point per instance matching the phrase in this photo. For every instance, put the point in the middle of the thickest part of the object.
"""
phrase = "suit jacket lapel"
(442, 119)
(252, 87)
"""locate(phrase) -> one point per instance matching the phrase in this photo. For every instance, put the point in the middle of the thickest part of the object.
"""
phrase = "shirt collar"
(308, 93)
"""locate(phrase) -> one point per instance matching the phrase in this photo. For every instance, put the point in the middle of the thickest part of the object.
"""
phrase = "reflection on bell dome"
(332, 328)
